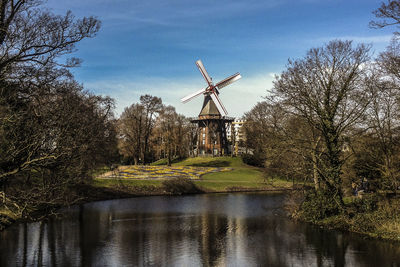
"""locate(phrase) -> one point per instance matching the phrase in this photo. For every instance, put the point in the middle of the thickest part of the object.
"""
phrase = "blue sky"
(150, 46)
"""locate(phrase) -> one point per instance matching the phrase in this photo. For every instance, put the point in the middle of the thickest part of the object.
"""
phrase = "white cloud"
(360, 39)
(159, 12)
(238, 98)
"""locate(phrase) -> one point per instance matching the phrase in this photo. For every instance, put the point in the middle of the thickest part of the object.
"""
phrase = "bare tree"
(152, 107)
(327, 89)
(168, 122)
(131, 128)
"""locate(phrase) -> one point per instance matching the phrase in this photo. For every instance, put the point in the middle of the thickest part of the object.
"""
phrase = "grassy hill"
(242, 178)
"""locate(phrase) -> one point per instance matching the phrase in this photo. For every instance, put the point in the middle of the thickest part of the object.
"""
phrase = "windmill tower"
(212, 120)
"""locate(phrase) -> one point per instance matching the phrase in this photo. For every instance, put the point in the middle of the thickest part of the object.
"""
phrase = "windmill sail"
(191, 96)
(228, 80)
(219, 105)
(203, 72)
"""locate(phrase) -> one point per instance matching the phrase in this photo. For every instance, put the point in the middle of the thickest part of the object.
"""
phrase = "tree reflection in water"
(200, 230)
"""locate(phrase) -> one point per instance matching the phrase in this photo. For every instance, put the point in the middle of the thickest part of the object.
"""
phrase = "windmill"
(212, 120)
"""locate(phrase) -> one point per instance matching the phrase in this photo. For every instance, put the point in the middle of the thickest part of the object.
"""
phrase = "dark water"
(200, 230)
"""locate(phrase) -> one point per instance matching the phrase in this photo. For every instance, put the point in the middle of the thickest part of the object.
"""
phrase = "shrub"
(293, 202)
(367, 203)
(318, 205)
(253, 160)
(389, 207)
(164, 161)
(179, 186)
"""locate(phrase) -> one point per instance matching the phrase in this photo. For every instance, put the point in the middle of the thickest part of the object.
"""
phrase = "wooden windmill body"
(212, 121)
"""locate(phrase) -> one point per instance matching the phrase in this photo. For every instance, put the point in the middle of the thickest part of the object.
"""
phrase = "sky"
(150, 46)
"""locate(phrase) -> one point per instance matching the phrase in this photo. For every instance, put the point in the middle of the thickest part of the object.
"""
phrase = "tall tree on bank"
(52, 132)
(31, 40)
(326, 88)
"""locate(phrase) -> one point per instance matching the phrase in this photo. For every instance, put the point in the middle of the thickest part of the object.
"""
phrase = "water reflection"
(201, 230)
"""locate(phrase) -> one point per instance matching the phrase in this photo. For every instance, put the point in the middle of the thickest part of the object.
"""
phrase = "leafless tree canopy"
(332, 118)
(309, 116)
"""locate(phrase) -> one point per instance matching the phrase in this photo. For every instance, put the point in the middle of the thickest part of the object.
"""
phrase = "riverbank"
(381, 220)
(235, 177)
(374, 215)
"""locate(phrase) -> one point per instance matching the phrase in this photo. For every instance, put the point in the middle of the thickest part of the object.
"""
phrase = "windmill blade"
(189, 97)
(203, 72)
(218, 103)
(228, 80)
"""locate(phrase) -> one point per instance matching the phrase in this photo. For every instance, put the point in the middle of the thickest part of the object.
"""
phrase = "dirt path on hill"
(114, 172)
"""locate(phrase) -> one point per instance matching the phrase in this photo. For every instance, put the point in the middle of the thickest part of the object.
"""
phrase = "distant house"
(237, 137)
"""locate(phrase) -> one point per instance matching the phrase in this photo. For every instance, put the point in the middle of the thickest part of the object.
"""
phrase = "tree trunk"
(314, 160)
(315, 170)
(169, 157)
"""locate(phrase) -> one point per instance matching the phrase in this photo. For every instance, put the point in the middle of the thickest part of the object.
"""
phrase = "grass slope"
(243, 176)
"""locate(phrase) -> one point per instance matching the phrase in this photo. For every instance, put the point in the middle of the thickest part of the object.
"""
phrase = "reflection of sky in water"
(200, 230)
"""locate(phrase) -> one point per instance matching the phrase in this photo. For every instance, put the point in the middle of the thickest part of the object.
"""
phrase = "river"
(241, 229)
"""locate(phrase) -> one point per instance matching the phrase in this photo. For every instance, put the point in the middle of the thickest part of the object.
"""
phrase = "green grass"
(245, 178)
(242, 177)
